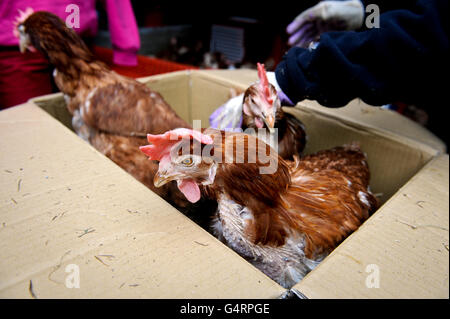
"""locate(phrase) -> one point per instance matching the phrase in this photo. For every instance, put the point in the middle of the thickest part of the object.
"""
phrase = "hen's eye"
(187, 161)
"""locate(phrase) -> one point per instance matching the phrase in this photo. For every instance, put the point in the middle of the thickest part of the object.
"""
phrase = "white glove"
(323, 17)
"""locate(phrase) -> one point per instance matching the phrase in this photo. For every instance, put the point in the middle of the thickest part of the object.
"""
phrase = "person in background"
(403, 60)
(336, 58)
(23, 76)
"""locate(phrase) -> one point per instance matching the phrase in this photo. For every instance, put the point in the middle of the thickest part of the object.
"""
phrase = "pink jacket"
(122, 23)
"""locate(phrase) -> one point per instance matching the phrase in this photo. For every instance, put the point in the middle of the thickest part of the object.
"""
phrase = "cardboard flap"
(65, 208)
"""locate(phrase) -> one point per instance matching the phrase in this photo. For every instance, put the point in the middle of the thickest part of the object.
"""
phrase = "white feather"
(363, 198)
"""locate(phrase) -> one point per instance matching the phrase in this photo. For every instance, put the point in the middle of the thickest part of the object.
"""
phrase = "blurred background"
(219, 35)
(180, 35)
(215, 35)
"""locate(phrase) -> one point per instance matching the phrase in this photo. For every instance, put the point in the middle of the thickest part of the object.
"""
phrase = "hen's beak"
(23, 44)
(162, 178)
(269, 121)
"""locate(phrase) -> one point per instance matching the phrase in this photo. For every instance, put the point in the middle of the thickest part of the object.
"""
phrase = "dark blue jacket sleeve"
(405, 60)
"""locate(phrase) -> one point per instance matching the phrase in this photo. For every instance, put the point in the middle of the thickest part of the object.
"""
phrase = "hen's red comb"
(162, 143)
(264, 83)
(23, 15)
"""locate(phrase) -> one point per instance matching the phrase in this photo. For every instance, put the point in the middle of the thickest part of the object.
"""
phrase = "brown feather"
(291, 135)
(348, 159)
(113, 109)
(317, 196)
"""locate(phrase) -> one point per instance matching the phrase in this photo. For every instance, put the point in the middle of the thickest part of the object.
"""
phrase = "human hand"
(325, 16)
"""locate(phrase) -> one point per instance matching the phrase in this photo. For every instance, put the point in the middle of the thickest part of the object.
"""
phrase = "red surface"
(23, 76)
(146, 66)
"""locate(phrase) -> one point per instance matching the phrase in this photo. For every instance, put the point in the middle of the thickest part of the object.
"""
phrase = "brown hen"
(284, 217)
(112, 112)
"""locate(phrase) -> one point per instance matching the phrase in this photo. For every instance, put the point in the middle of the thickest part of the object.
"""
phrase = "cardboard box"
(65, 209)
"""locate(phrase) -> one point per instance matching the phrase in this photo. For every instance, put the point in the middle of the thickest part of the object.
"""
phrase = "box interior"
(194, 96)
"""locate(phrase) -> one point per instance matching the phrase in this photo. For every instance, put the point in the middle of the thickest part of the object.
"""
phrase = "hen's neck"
(71, 66)
(261, 194)
(246, 165)
(69, 57)
(75, 70)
